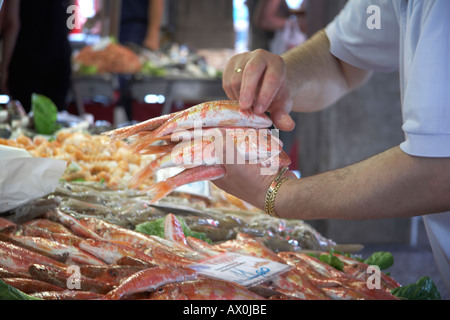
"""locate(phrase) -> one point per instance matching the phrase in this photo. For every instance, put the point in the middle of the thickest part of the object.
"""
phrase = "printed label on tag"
(242, 269)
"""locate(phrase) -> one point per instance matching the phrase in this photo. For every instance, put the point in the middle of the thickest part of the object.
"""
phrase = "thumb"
(282, 120)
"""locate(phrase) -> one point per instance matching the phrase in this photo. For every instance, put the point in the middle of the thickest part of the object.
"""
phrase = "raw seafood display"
(98, 239)
(133, 265)
(107, 56)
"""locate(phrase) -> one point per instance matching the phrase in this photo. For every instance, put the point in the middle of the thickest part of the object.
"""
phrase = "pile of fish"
(200, 140)
(59, 257)
(129, 208)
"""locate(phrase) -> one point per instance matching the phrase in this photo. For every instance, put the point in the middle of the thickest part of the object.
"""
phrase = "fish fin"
(159, 191)
(140, 176)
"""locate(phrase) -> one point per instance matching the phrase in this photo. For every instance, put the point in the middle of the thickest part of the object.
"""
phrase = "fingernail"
(244, 104)
(287, 122)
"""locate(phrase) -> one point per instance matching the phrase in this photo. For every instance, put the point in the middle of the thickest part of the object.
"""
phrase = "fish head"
(168, 292)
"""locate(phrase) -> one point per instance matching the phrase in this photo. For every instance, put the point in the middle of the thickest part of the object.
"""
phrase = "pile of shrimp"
(89, 157)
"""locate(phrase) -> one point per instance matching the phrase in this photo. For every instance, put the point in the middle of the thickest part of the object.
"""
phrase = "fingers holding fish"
(225, 123)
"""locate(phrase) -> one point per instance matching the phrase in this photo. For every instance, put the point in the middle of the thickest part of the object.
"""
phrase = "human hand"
(247, 182)
(250, 181)
(4, 83)
(151, 43)
(258, 79)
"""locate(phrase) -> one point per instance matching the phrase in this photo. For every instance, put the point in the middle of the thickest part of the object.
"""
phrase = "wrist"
(272, 192)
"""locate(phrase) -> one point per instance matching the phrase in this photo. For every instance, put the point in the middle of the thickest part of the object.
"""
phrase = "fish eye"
(112, 272)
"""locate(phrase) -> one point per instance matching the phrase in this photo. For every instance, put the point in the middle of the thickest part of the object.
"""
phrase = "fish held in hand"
(147, 125)
(189, 153)
(202, 173)
(223, 113)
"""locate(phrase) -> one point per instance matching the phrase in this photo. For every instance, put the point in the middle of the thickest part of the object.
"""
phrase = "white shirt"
(414, 38)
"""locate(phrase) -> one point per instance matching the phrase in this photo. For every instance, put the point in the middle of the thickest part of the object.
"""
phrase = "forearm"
(316, 78)
(391, 184)
(10, 31)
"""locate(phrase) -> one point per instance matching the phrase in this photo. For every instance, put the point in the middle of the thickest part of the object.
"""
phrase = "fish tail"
(159, 191)
(157, 149)
(142, 142)
(140, 176)
(199, 173)
(147, 125)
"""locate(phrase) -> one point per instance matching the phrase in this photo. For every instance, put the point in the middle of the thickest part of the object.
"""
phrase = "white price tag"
(242, 269)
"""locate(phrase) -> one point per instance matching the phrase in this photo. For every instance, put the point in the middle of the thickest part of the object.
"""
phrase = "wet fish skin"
(5, 223)
(147, 125)
(67, 295)
(20, 259)
(112, 274)
(189, 175)
(49, 225)
(173, 230)
(204, 289)
(8, 273)
(111, 252)
(115, 233)
(31, 285)
(246, 244)
(168, 258)
(150, 280)
(73, 224)
(59, 277)
(46, 247)
(223, 113)
(203, 247)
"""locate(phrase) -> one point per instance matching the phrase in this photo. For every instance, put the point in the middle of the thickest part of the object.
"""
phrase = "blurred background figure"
(36, 51)
(265, 17)
(269, 17)
(140, 23)
(202, 24)
(139, 28)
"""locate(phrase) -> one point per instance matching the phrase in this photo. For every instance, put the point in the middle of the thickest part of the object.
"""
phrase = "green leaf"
(381, 259)
(45, 114)
(423, 289)
(149, 69)
(88, 69)
(156, 228)
(10, 293)
(153, 227)
(332, 260)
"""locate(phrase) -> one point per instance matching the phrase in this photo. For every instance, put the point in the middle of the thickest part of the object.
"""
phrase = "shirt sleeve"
(354, 40)
(426, 79)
